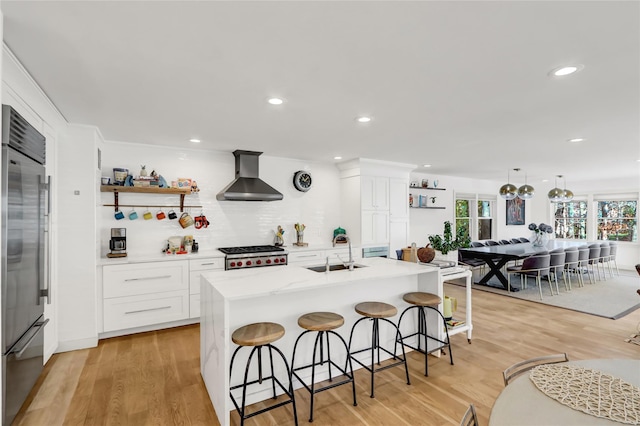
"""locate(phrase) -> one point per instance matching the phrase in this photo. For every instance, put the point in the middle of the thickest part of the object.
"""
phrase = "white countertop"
(316, 246)
(160, 257)
(253, 282)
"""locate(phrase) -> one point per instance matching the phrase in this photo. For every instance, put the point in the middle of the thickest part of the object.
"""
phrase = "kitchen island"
(231, 299)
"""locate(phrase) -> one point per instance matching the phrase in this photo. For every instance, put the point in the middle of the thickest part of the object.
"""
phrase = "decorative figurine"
(143, 170)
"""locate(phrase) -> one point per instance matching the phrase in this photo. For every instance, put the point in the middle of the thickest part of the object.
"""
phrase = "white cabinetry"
(374, 193)
(398, 213)
(308, 257)
(142, 294)
(374, 197)
(319, 257)
(196, 268)
(375, 228)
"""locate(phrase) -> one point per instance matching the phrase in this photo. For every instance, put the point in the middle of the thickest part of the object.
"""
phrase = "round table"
(521, 403)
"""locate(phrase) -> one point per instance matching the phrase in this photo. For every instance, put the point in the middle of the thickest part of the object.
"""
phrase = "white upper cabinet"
(375, 193)
(398, 198)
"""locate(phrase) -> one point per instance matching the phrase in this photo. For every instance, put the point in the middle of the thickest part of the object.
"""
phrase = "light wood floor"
(154, 379)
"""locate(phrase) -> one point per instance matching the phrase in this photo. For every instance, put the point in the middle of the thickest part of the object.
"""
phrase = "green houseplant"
(445, 244)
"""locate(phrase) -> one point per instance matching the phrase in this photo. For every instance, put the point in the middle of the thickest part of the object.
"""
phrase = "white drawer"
(207, 264)
(343, 252)
(137, 311)
(194, 306)
(305, 257)
(144, 278)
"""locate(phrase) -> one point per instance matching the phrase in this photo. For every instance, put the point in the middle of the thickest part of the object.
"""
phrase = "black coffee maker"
(118, 243)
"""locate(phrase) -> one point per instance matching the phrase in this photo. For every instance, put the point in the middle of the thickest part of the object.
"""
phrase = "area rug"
(613, 298)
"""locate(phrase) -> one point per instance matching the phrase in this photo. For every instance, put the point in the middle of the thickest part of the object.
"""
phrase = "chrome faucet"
(351, 262)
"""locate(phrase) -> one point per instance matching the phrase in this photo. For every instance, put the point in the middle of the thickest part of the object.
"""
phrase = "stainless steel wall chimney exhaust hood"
(247, 186)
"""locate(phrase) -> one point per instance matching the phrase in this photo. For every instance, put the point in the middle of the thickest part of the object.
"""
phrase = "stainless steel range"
(253, 256)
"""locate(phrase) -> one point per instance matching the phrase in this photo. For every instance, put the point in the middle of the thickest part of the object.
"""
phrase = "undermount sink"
(337, 267)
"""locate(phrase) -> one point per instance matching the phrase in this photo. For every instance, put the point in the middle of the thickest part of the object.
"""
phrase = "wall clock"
(302, 180)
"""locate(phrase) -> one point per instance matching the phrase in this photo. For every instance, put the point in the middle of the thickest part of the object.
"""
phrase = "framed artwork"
(515, 211)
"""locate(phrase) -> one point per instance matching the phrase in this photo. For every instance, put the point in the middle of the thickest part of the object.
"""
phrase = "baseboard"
(74, 345)
(153, 327)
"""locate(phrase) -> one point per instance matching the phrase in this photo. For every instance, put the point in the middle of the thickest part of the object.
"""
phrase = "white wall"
(233, 223)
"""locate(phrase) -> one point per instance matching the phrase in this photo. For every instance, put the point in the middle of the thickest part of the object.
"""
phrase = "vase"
(452, 256)
(539, 240)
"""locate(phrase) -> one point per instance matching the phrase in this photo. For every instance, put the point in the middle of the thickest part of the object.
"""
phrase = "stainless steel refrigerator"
(25, 204)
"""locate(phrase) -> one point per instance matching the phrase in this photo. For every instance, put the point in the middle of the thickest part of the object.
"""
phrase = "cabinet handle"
(206, 264)
(307, 255)
(148, 278)
(147, 310)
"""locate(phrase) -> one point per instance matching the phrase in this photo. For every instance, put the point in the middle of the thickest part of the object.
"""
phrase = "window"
(484, 220)
(463, 217)
(617, 220)
(571, 220)
(477, 223)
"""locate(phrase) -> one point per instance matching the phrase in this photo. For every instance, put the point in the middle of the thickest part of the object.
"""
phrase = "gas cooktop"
(253, 256)
(250, 249)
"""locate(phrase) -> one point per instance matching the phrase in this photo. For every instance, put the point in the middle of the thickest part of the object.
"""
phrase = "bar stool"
(324, 323)
(376, 311)
(422, 302)
(260, 335)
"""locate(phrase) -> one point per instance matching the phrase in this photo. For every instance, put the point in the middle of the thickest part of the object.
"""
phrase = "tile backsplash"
(232, 223)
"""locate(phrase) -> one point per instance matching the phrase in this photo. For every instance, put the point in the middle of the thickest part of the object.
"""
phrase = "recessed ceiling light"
(275, 101)
(575, 140)
(363, 119)
(566, 70)
(194, 140)
(337, 158)
(427, 165)
(545, 180)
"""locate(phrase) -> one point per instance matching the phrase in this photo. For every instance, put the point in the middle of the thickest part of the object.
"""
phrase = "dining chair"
(583, 262)
(605, 257)
(523, 366)
(471, 262)
(594, 259)
(504, 242)
(533, 266)
(556, 264)
(477, 244)
(516, 241)
(492, 243)
(613, 253)
(523, 240)
(571, 265)
(470, 418)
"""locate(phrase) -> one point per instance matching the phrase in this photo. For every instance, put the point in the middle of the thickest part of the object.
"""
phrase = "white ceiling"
(459, 85)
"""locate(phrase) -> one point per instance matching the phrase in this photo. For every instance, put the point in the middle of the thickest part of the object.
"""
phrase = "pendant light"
(526, 191)
(556, 195)
(509, 191)
(567, 195)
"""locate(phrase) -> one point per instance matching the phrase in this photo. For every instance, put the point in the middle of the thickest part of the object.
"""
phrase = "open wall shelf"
(417, 207)
(144, 190)
(428, 188)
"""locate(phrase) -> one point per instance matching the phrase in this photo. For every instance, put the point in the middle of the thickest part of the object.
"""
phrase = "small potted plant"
(447, 246)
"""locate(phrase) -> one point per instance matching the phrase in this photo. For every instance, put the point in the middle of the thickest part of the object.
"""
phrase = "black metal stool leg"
(404, 356)
(374, 345)
(353, 381)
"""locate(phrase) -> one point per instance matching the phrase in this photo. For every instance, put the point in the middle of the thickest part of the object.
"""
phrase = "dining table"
(523, 403)
(497, 256)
